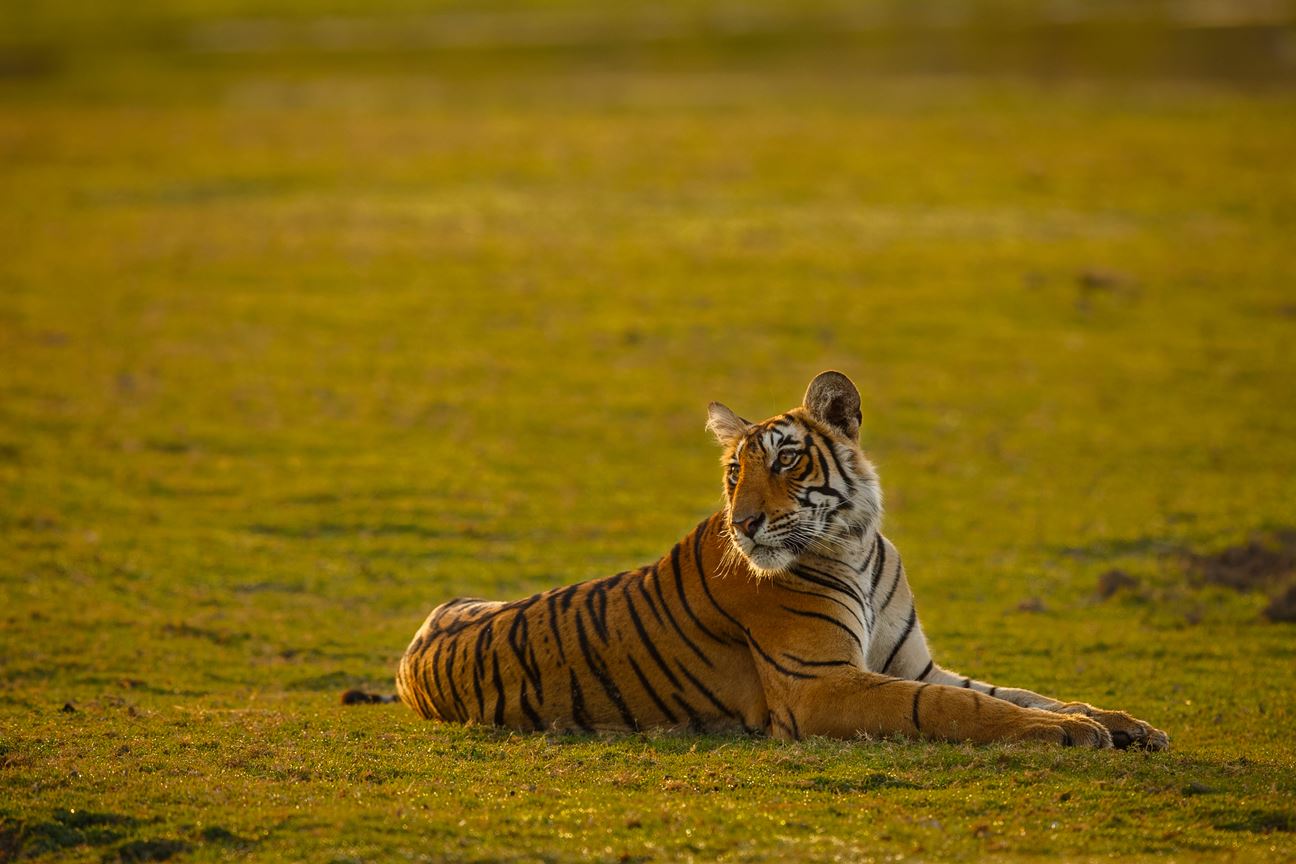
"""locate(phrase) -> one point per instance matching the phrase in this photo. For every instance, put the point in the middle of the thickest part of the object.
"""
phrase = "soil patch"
(1266, 563)
(1259, 565)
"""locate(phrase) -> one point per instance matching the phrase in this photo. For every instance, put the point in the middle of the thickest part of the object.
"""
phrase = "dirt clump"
(1115, 580)
(1256, 565)
(1283, 606)
(1265, 563)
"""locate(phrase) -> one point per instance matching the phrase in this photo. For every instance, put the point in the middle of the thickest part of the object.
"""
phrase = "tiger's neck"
(850, 557)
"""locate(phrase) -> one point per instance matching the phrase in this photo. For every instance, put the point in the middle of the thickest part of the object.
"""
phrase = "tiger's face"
(797, 482)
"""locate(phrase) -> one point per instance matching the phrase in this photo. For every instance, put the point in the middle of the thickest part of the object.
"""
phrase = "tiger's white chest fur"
(865, 577)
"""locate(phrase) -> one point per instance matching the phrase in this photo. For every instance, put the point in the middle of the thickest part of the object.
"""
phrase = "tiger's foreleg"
(849, 702)
(899, 648)
(1126, 731)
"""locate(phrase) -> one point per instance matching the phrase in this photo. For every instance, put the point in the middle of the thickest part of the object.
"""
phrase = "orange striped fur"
(786, 613)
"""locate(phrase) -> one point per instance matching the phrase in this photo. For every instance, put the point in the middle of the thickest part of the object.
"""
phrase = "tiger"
(786, 613)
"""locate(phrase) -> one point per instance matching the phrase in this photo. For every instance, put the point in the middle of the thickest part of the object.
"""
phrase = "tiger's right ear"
(724, 424)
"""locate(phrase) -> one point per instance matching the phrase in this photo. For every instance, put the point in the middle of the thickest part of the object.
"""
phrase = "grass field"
(307, 324)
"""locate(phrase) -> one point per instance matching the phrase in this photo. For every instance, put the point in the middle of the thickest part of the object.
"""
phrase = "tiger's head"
(797, 482)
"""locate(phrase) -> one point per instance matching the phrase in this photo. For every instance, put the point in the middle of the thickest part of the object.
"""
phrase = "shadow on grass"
(67, 830)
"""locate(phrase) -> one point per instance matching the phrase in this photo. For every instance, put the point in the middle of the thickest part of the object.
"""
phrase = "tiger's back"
(647, 648)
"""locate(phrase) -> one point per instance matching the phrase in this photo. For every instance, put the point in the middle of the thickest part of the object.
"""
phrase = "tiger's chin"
(767, 560)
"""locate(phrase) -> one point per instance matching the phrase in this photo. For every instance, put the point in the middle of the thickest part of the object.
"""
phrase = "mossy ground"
(296, 343)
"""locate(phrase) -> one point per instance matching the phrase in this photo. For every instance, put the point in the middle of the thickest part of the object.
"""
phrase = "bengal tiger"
(786, 613)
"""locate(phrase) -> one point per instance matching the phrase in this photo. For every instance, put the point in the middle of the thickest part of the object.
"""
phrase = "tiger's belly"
(567, 660)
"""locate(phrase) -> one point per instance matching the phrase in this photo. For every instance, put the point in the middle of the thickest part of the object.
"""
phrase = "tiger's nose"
(749, 525)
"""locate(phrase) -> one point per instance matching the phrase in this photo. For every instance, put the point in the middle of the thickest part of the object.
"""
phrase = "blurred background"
(313, 306)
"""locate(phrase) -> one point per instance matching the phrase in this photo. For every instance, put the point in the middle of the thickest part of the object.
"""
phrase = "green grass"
(295, 345)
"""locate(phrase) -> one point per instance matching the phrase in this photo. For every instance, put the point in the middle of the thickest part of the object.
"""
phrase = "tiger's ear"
(833, 399)
(724, 424)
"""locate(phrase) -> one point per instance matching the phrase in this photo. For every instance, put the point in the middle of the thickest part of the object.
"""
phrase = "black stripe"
(652, 691)
(518, 640)
(468, 618)
(879, 550)
(652, 604)
(967, 682)
(679, 586)
(553, 626)
(795, 659)
(841, 469)
(460, 708)
(535, 664)
(832, 583)
(702, 577)
(885, 681)
(422, 696)
(648, 643)
(479, 667)
(823, 580)
(435, 667)
(815, 453)
(909, 625)
(993, 690)
(836, 582)
(806, 613)
(918, 693)
(578, 704)
(600, 672)
(499, 693)
(828, 597)
(596, 606)
(710, 697)
(695, 719)
(751, 640)
(796, 729)
(895, 583)
(926, 670)
(670, 616)
(528, 710)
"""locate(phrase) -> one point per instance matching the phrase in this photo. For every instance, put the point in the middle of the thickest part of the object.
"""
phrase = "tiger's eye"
(786, 458)
(733, 473)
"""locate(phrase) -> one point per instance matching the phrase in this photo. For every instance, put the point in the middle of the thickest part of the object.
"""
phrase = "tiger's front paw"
(1127, 731)
(1068, 730)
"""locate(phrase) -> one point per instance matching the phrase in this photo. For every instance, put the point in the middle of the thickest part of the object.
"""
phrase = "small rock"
(1114, 580)
(68, 708)
(1195, 788)
(1099, 279)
